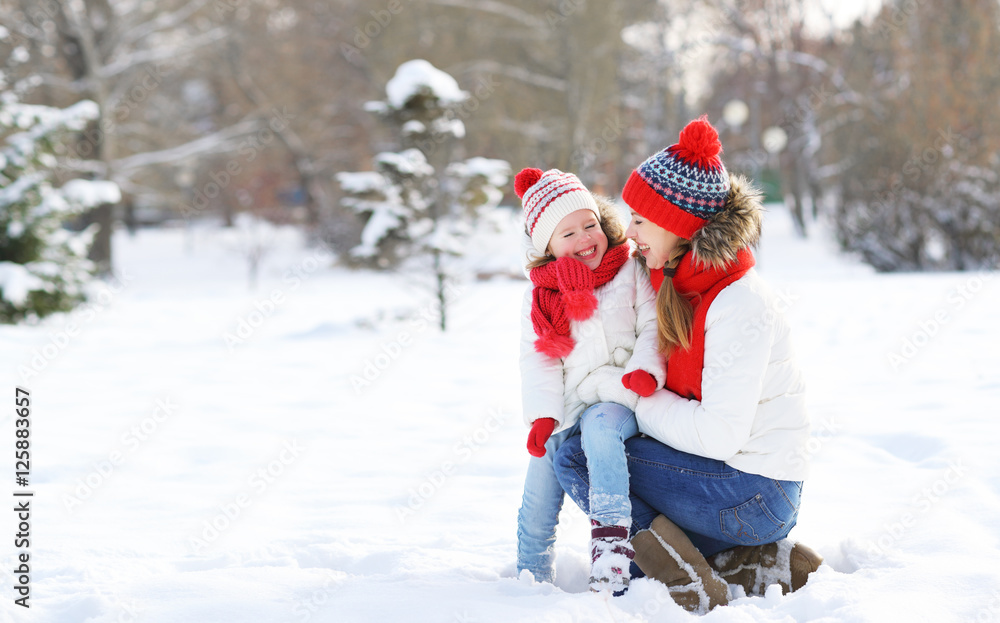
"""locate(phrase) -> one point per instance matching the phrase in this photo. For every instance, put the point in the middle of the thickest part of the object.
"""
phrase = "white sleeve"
(738, 337)
(605, 385)
(646, 355)
(541, 375)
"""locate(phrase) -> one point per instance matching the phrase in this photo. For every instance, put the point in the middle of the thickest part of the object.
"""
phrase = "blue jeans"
(719, 507)
(603, 429)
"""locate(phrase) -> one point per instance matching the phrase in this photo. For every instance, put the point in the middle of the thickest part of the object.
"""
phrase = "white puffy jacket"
(624, 323)
(752, 413)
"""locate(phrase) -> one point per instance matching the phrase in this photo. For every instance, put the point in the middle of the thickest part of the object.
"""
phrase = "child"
(591, 306)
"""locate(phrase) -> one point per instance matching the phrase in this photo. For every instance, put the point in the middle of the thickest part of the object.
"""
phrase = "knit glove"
(540, 432)
(641, 382)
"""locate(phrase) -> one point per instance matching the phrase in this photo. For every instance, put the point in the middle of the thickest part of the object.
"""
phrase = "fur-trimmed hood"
(737, 226)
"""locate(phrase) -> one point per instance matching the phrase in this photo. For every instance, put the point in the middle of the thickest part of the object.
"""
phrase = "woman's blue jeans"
(603, 429)
(719, 507)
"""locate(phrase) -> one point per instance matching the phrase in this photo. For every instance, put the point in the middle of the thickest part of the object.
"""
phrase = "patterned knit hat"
(683, 186)
(547, 197)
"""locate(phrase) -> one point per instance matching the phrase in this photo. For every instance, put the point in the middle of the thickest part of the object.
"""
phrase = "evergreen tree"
(43, 266)
(419, 203)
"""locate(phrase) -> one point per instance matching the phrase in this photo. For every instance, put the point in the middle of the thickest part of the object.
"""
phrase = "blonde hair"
(674, 313)
(611, 225)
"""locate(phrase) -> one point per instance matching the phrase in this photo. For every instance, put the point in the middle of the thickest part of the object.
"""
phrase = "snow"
(384, 218)
(340, 459)
(443, 126)
(413, 127)
(496, 172)
(16, 282)
(362, 182)
(407, 162)
(418, 75)
(90, 193)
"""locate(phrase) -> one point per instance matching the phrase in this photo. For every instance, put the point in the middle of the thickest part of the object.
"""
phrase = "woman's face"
(579, 235)
(655, 243)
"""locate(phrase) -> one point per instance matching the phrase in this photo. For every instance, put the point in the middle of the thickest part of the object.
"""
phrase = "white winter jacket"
(752, 414)
(624, 323)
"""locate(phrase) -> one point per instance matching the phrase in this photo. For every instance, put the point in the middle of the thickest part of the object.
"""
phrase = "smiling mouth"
(643, 248)
(588, 252)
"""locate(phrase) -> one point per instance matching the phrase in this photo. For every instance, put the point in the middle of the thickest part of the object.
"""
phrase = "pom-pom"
(526, 179)
(555, 345)
(580, 304)
(699, 144)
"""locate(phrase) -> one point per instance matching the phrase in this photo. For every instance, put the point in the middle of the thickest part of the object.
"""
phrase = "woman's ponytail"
(674, 313)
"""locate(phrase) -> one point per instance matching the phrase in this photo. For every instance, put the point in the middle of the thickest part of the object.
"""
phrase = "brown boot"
(755, 567)
(666, 554)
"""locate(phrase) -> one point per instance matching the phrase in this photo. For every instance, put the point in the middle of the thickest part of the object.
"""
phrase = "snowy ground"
(180, 475)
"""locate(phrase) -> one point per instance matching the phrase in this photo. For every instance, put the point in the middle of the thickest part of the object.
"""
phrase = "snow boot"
(754, 567)
(666, 554)
(610, 556)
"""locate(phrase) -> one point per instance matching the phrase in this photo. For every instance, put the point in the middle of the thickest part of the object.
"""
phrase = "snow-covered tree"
(917, 186)
(418, 202)
(43, 266)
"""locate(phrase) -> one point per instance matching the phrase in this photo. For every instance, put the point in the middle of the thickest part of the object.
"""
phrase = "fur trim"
(737, 226)
(611, 215)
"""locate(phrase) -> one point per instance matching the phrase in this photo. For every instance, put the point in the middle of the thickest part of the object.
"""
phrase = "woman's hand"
(540, 432)
(641, 382)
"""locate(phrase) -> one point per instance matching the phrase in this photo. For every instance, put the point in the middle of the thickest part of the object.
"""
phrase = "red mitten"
(641, 382)
(541, 430)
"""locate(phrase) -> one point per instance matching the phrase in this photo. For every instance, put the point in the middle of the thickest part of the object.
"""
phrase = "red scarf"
(564, 291)
(700, 286)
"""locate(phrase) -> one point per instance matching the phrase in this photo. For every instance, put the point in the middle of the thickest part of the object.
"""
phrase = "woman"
(718, 469)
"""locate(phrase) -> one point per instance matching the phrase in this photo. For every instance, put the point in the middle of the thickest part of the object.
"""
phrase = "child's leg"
(539, 514)
(604, 428)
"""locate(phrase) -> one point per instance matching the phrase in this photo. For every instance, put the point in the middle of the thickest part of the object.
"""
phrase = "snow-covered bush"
(43, 266)
(916, 184)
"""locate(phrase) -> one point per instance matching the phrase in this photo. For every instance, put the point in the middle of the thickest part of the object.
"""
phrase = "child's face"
(579, 235)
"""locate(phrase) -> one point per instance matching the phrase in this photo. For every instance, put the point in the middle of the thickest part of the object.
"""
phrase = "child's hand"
(641, 382)
(541, 430)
